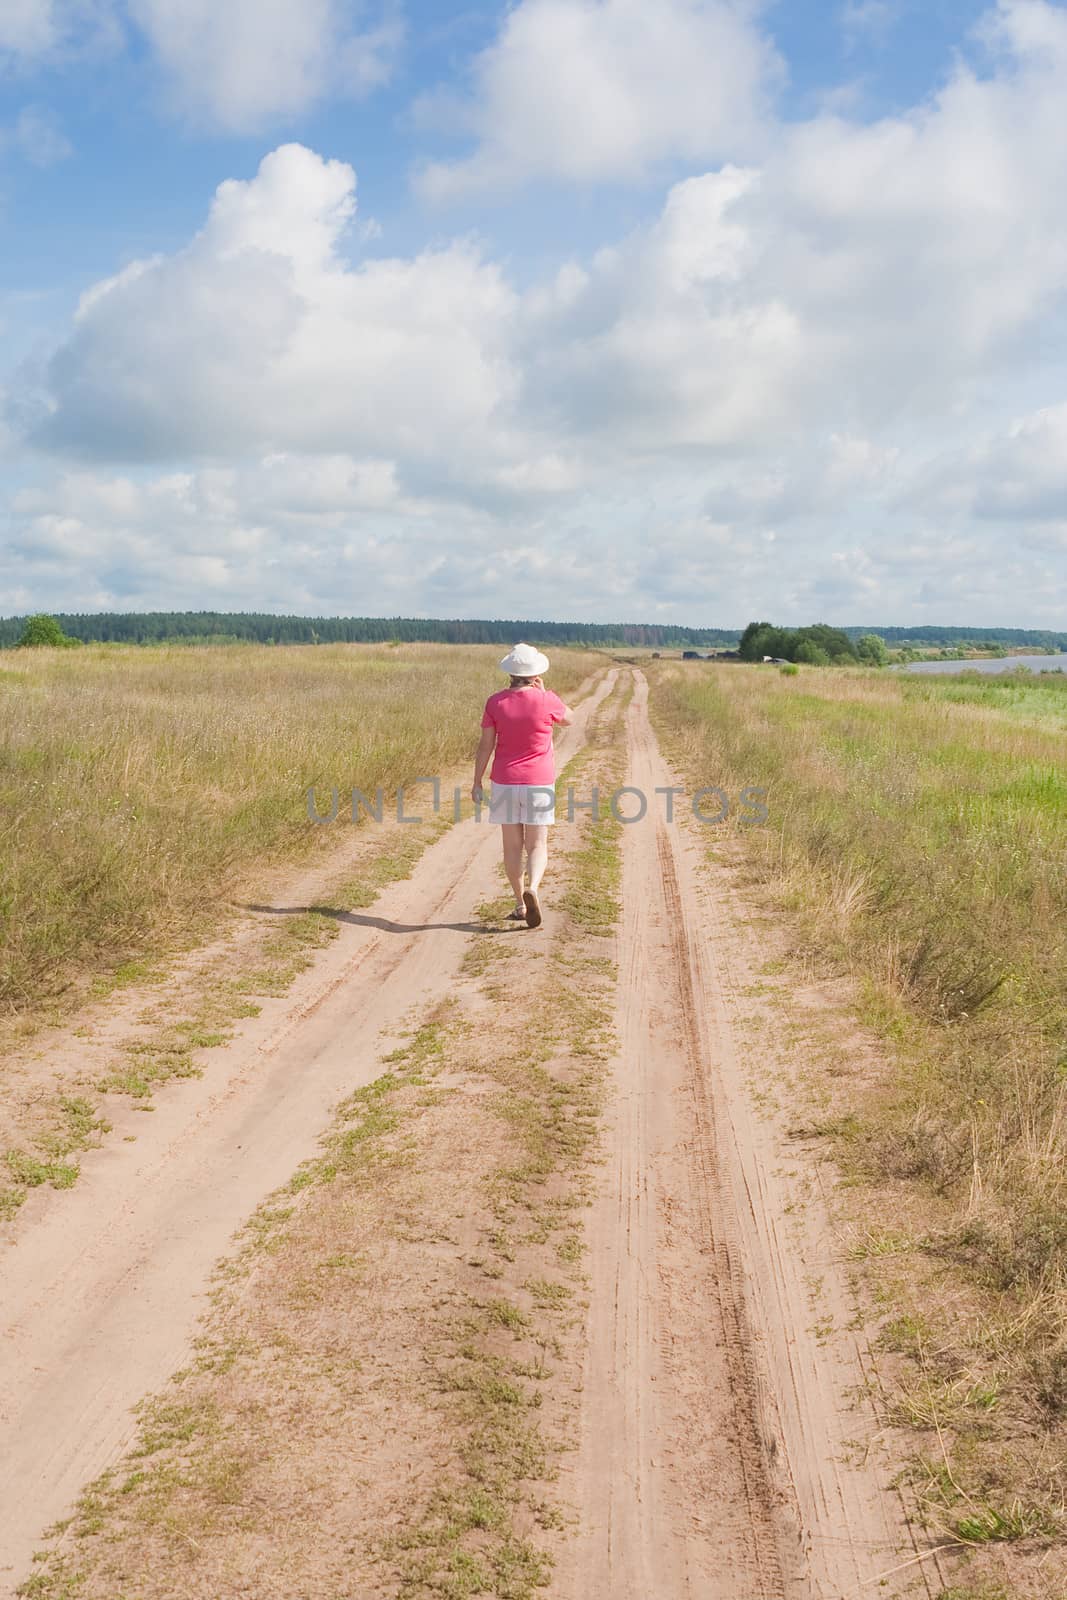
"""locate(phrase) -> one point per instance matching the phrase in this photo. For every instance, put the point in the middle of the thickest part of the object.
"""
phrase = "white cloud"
(1016, 475)
(28, 27)
(241, 63)
(860, 274)
(815, 346)
(339, 536)
(234, 65)
(36, 30)
(859, 277)
(589, 90)
(318, 532)
(258, 336)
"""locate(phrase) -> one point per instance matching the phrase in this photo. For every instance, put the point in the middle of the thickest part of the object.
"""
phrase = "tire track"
(674, 1497)
(749, 1406)
(714, 1458)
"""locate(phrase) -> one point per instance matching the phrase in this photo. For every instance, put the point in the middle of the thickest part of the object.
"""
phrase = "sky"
(690, 311)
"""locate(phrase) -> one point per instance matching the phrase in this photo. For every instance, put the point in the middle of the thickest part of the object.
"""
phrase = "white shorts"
(522, 802)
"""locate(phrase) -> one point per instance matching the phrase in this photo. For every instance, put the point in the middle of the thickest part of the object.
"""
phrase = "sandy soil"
(723, 1447)
(724, 1453)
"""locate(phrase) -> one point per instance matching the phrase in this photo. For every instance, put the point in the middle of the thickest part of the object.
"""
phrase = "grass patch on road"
(592, 898)
(483, 1532)
(74, 1125)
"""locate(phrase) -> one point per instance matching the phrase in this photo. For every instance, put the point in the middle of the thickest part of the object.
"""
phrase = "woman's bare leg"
(536, 852)
(513, 841)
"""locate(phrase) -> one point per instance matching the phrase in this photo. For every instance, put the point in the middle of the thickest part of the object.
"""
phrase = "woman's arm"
(486, 745)
(568, 716)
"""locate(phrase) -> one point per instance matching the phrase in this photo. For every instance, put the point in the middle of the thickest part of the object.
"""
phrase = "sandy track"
(718, 1417)
(101, 1294)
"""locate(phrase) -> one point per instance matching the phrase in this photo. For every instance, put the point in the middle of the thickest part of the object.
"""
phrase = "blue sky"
(656, 309)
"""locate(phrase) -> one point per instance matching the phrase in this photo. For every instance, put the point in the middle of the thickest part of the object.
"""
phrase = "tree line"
(165, 627)
(817, 644)
(1033, 638)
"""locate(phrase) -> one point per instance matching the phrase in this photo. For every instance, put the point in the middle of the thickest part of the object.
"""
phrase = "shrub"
(812, 654)
(43, 630)
(870, 647)
(819, 644)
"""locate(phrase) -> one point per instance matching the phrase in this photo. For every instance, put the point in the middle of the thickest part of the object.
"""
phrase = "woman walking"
(517, 732)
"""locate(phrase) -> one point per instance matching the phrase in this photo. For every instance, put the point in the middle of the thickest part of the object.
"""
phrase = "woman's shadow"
(359, 919)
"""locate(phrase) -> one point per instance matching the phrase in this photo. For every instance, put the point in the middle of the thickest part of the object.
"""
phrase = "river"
(990, 664)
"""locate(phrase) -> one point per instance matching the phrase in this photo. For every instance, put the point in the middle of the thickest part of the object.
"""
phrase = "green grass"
(592, 899)
(990, 1525)
(980, 1591)
(917, 842)
(1026, 696)
(925, 851)
(74, 1126)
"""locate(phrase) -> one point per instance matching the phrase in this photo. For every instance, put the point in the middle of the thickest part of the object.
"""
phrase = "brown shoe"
(533, 909)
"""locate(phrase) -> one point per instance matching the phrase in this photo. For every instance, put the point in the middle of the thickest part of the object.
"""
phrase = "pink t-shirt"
(523, 719)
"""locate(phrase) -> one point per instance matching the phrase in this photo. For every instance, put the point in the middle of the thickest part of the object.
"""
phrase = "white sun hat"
(523, 661)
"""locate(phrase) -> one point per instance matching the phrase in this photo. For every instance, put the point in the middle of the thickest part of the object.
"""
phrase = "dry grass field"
(138, 786)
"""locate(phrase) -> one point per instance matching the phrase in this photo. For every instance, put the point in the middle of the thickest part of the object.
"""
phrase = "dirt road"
(718, 1421)
(101, 1294)
(719, 1413)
